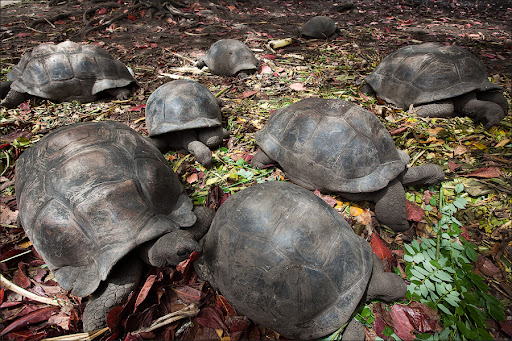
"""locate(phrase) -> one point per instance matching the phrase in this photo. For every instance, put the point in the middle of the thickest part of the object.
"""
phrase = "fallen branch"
(4, 282)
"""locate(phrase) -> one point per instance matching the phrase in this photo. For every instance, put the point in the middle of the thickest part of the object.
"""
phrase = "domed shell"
(285, 259)
(227, 57)
(331, 145)
(180, 105)
(89, 193)
(429, 72)
(318, 27)
(68, 71)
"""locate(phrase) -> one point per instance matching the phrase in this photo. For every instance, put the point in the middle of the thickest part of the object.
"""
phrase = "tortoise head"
(172, 248)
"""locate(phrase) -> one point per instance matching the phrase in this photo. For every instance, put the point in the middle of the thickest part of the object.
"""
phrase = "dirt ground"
(162, 46)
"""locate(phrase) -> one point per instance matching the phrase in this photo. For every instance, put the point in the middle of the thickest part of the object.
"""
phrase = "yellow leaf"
(355, 211)
(435, 131)
(502, 143)
(25, 244)
(479, 145)
(219, 332)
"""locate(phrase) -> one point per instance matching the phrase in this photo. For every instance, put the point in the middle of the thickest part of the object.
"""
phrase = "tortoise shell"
(331, 145)
(180, 105)
(90, 193)
(227, 57)
(320, 27)
(68, 71)
(286, 260)
(428, 72)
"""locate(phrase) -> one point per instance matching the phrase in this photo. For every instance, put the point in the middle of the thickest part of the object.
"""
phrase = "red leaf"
(19, 278)
(297, 87)
(465, 233)
(454, 166)
(225, 306)
(137, 107)
(485, 172)
(102, 11)
(34, 317)
(327, 198)
(114, 316)
(211, 317)
(270, 56)
(192, 178)
(21, 35)
(506, 326)
(265, 69)
(59, 22)
(188, 294)
(413, 211)
(423, 318)
(144, 291)
(132, 17)
(248, 93)
(403, 328)
(487, 267)
(398, 131)
(378, 326)
(238, 323)
(380, 248)
(247, 157)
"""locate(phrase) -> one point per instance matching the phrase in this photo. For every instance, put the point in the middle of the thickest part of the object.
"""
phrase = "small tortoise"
(95, 199)
(229, 57)
(288, 261)
(68, 71)
(336, 146)
(318, 27)
(438, 81)
(184, 115)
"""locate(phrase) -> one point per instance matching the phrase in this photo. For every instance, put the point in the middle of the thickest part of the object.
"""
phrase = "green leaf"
(443, 276)
(415, 244)
(424, 290)
(409, 249)
(444, 309)
(452, 300)
(459, 188)
(417, 274)
(408, 258)
(418, 258)
(430, 286)
(471, 253)
(388, 331)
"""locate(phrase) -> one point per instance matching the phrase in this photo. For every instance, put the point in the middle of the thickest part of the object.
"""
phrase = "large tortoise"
(229, 57)
(320, 27)
(68, 71)
(288, 261)
(336, 146)
(95, 198)
(439, 81)
(185, 115)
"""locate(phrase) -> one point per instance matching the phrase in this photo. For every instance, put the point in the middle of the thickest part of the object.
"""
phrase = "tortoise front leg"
(443, 109)
(390, 206)
(123, 279)
(120, 93)
(262, 160)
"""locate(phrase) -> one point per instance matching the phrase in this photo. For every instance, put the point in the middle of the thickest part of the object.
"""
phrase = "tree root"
(51, 20)
(89, 28)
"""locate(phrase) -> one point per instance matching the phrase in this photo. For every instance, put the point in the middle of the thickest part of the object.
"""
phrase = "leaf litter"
(478, 159)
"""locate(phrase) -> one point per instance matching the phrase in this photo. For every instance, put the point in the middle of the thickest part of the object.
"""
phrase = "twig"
(188, 311)
(4, 282)
(79, 336)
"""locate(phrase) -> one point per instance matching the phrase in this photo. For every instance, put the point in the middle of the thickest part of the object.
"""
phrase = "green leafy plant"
(441, 276)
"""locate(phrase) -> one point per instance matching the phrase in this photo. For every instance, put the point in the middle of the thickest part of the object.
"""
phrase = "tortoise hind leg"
(212, 137)
(114, 291)
(494, 96)
(485, 112)
(13, 99)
